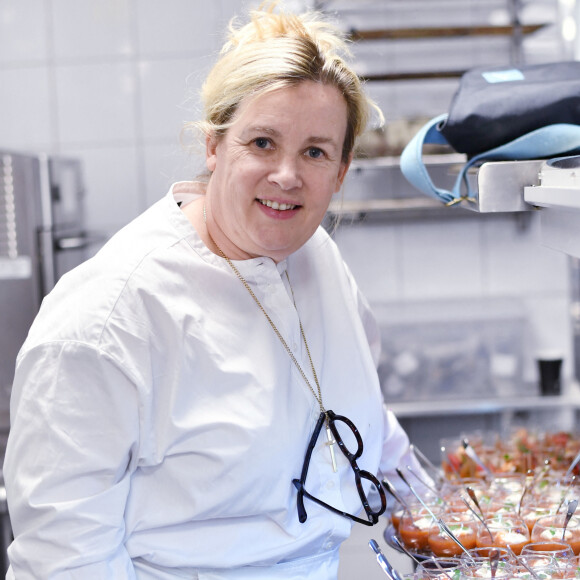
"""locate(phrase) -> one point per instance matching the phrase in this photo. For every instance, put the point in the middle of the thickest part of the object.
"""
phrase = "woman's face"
(275, 170)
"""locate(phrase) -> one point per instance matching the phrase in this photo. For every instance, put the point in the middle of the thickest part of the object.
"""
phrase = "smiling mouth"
(276, 205)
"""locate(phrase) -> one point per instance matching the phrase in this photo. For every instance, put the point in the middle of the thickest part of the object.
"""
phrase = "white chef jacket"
(157, 422)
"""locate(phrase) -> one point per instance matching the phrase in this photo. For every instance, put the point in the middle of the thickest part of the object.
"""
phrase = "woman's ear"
(210, 152)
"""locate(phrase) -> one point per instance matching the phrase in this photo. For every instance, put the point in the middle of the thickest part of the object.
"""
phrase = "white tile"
(96, 103)
(169, 95)
(371, 254)
(441, 259)
(177, 27)
(517, 263)
(23, 30)
(112, 186)
(25, 115)
(85, 28)
(164, 165)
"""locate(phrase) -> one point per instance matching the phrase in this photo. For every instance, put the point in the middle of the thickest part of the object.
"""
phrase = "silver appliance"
(42, 235)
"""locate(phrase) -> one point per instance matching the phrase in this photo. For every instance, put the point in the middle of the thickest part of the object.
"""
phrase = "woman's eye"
(262, 142)
(315, 152)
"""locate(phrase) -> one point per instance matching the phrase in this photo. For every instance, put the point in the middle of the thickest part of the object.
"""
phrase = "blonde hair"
(276, 50)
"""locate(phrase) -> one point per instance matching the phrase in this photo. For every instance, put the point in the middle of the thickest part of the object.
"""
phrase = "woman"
(168, 390)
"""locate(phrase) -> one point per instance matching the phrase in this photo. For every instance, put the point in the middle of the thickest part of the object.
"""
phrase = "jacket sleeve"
(398, 453)
(72, 446)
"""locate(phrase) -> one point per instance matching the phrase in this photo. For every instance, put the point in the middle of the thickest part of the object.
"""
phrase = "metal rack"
(399, 47)
(498, 187)
(501, 29)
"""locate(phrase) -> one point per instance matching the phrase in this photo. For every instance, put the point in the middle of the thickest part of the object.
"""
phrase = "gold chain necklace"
(317, 395)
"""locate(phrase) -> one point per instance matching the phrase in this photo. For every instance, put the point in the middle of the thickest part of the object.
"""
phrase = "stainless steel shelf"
(350, 207)
(497, 187)
(442, 408)
(395, 197)
(442, 159)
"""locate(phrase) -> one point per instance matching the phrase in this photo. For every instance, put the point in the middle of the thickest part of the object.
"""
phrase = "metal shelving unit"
(498, 187)
(407, 51)
(421, 47)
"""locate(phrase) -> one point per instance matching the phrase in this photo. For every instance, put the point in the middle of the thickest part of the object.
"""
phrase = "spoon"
(450, 463)
(480, 518)
(428, 463)
(565, 493)
(521, 502)
(521, 562)
(383, 562)
(427, 485)
(531, 483)
(493, 561)
(473, 497)
(412, 490)
(398, 544)
(391, 489)
(572, 505)
(470, 451)
(442, 525)
(540, 475)
(573, 464)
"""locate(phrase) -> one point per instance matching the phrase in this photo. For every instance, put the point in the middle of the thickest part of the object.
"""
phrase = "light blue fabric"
(548, 141)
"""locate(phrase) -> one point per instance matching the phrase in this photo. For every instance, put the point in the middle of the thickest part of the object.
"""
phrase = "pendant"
(331, 443)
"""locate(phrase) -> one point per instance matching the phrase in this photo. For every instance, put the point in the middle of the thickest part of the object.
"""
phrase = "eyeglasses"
(359, 474)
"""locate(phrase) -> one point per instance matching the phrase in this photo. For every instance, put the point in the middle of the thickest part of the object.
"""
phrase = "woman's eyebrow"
(260, 131)
(271, 131)
(315, 139)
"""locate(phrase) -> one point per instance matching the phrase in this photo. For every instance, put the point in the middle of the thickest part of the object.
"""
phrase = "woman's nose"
(286, 173)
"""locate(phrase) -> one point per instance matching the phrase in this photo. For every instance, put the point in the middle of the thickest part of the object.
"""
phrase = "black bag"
(493, 106)
(501, 113)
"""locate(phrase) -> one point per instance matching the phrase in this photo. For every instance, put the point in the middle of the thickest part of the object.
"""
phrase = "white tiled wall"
(454, 260)
(111, 82)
